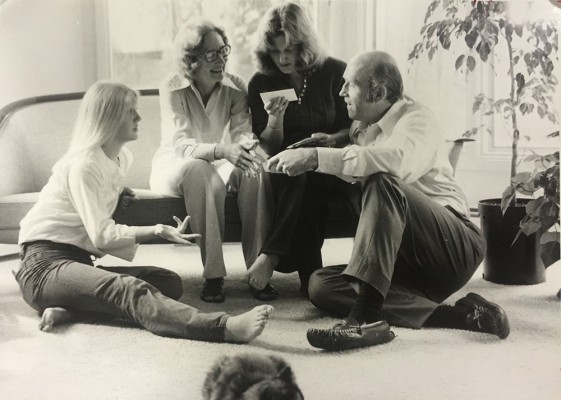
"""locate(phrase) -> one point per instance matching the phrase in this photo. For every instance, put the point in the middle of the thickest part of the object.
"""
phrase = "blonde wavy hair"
(288, 20)
(188, 44)
(102, 111)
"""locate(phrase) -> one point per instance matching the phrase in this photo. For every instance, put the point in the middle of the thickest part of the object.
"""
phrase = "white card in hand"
(289, 94)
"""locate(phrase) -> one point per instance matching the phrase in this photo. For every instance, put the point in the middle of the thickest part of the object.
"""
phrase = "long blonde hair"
(288, 20)
(102, 111)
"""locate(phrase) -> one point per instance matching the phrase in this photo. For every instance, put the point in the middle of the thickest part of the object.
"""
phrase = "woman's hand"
(240, 155)
(324, 139)
(177, 234)
(276, 107)
(127, 197)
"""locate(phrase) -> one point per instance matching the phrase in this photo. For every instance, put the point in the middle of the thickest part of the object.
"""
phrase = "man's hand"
(294, 162)
(127, 197)
(177, 234)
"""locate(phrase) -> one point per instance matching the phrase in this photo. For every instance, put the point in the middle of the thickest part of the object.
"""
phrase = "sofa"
(35, 133)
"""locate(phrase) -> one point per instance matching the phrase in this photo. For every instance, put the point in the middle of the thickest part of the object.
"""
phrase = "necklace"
(301, 94)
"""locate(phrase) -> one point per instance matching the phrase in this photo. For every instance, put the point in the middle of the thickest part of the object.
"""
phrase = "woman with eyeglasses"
(199, 101)
(289, 56)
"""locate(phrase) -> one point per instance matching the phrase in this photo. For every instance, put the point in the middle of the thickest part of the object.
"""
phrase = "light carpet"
(121, 361)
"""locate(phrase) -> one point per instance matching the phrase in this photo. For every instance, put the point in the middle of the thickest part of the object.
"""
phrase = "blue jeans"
(61, 275)
(412, 250)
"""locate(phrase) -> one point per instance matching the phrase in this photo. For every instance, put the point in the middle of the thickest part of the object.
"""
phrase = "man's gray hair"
(385, 73)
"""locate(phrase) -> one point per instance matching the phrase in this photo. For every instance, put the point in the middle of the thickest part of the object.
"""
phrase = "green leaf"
(520, 81)
(528, 59)
(508, 29)
(502, 23)
(518, 29)
(533, 207)
(431, 52)
(470, 63)
(471, 38)
(549, 215)
(484, 51)
(460, 61)
(444, 36)
(549, 237)
(507, 197)
(521, 177)
(477, 103)
(530, 226)
(523, 182)
(431, 30)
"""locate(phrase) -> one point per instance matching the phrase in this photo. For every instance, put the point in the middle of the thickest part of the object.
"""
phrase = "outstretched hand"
(293, 162)
(176, 234)
(324, 139)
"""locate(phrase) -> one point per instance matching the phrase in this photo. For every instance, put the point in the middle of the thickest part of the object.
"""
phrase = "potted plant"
(542, 212)
(487, 33)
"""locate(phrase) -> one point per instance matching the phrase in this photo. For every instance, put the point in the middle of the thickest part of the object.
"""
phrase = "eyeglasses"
(212, 55)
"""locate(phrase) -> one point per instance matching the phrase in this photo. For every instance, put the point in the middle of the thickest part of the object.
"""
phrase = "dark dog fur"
(251, 377)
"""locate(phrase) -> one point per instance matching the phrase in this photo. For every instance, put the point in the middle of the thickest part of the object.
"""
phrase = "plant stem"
(513, 98)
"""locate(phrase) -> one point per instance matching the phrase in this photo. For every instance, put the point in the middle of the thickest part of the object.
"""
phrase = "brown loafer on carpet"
(268, 293)
(486, 317)
(349, 334)
(213, 291)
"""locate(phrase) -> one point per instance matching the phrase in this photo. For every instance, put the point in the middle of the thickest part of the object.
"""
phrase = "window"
(140, 34)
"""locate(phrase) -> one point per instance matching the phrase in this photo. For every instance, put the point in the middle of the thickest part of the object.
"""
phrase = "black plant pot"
(517, 263)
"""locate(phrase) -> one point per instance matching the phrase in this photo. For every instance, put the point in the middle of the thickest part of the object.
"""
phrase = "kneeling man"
(415, 245)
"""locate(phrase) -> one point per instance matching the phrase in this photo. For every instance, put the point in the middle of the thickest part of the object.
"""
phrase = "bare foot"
(54, 316)
(245, 327)
(260, 273)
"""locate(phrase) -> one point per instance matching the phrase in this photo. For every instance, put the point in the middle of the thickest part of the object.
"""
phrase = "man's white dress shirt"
(407, 143)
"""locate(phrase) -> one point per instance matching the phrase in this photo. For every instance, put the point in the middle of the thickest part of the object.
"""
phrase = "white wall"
(46, 47)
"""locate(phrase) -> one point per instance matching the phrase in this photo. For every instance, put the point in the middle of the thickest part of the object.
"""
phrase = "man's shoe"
(213, 291)
(349, 334)
(485, 316)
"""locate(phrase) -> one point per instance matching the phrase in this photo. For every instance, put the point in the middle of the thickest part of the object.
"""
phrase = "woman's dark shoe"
(268, 293)
(349, 334)
(485, 316)
(213, 291)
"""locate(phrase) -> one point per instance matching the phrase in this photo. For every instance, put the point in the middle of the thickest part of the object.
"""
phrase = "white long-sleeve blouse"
(76, 206)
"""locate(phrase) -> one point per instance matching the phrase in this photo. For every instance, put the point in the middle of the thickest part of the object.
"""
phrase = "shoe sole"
(209, 300)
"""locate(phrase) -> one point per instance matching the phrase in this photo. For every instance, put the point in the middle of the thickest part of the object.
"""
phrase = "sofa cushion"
(12, 209)
(150, 208)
